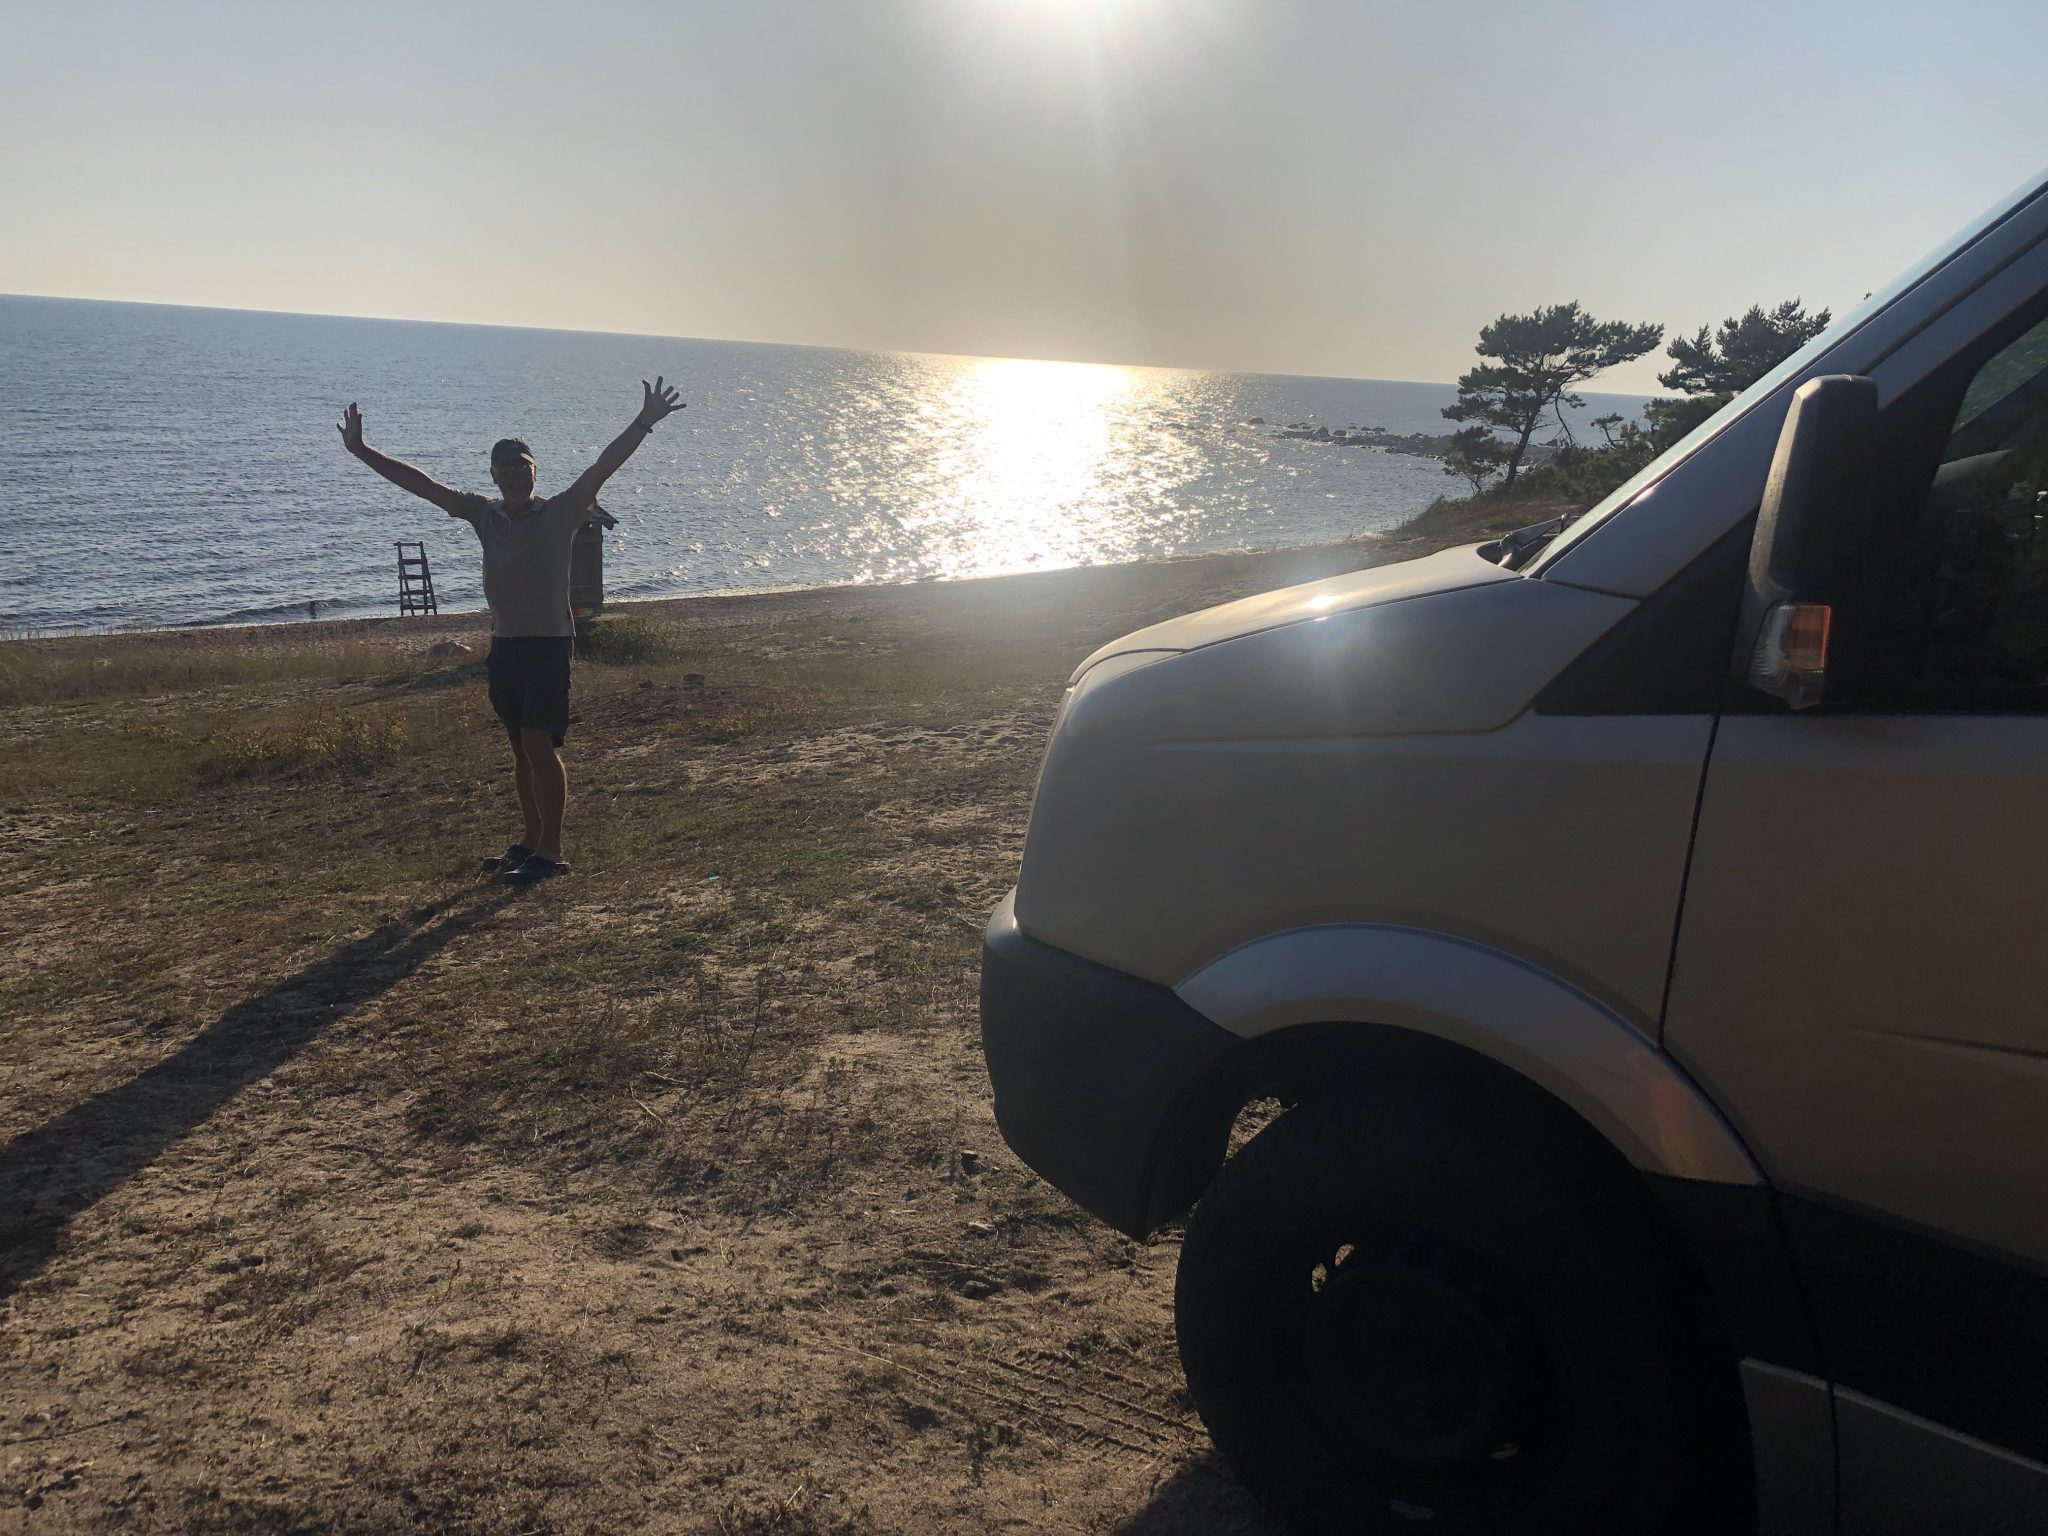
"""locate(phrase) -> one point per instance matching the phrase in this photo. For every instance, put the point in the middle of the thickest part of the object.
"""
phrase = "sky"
(1348, 188)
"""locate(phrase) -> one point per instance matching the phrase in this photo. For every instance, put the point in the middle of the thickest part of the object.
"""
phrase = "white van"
(1647, 932)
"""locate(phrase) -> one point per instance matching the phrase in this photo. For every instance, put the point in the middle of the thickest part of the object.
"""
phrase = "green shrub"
(626, 640)
(343, 744)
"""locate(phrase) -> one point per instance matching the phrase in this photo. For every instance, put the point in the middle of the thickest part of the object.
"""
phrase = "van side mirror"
(1811, 562)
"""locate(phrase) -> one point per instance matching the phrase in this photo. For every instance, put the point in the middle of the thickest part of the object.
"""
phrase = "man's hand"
(401, 474)
(351, 429)
(659, 400)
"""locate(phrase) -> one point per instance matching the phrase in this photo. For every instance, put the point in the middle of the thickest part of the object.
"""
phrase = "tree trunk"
(1515, 458)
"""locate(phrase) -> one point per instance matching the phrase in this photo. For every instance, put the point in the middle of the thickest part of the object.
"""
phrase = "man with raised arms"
(526, 540)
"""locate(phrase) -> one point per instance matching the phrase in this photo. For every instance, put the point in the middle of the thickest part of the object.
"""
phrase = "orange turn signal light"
(1806, 636)
(1791, 660)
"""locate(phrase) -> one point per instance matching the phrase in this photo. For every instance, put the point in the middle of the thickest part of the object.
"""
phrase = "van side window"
(1983, 554)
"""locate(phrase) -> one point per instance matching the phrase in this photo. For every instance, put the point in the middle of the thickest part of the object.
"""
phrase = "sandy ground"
(343, 1191)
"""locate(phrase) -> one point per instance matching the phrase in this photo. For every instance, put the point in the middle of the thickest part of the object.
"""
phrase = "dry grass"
(48, 671)
(346, 1192)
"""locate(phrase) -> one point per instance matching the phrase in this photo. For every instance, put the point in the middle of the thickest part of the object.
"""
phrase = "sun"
(1083, 15)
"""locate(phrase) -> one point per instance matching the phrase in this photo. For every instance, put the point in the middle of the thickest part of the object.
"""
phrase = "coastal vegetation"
(630, 639)
(1538, 359)
(1533, 364)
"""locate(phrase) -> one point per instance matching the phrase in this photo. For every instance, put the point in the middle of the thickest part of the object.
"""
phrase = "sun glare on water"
(1029, 461)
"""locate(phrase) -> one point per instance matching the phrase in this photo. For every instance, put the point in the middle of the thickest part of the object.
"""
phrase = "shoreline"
(613, 604)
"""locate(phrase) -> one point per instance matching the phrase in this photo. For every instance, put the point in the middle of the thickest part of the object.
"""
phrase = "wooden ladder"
(415, 581)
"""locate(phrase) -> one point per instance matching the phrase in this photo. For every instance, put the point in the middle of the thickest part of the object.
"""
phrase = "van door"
(1861, 976)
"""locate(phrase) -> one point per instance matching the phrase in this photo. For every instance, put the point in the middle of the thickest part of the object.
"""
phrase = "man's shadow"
(51, 1174)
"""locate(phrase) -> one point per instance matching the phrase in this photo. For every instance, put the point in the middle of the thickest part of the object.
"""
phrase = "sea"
(164, 466)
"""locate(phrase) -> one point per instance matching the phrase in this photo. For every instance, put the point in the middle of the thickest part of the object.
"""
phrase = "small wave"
(274, 613)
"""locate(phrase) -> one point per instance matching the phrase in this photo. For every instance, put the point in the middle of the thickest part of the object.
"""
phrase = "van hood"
(1447, 571)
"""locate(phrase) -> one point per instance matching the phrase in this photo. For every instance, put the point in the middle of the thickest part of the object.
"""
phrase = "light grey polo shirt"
(526, 562)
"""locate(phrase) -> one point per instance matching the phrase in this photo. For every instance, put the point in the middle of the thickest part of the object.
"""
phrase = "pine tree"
(1741, 351)
(1538, 360)
(1476, 454)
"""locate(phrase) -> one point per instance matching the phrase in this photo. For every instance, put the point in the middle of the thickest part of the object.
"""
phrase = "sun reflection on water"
(1037, 463)
(794, 466)
(891, 467)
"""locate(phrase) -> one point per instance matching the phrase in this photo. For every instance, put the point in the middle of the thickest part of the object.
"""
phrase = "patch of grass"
(48, 671)
(174, 1361)
(279, 1293)
(21, 992)
(804, 1511)
(598, 1051)
(509, 1342)
(629, 640)
(324, 743)
(1449, 520)
(623, 1239)
(736, 722)
(949, 836)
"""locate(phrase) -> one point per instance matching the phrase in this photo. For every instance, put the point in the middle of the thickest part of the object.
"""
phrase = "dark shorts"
(530, 684)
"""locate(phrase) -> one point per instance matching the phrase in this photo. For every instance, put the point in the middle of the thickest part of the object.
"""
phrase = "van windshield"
(1791, 368)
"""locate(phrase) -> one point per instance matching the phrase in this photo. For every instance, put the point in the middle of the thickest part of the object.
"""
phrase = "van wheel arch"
(1305, 1062)
(1311, 1062)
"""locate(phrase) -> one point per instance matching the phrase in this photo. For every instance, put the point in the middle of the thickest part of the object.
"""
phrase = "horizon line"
(744, 341)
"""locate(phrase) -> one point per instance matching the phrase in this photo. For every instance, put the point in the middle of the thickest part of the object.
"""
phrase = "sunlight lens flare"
(1097, 23)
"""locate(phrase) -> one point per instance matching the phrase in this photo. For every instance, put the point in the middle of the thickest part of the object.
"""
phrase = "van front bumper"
(1102, 1080)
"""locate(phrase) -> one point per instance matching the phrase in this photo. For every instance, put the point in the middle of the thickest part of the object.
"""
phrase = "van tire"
(1495, 1340)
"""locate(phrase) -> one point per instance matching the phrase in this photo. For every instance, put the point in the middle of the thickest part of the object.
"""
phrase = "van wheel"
(1398, 1316)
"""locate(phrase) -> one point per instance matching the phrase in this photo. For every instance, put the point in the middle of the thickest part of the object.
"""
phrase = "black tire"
(1397, 1315)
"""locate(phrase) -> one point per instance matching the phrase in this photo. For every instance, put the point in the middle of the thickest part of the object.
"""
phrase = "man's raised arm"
(407, 477)
(659, 399)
